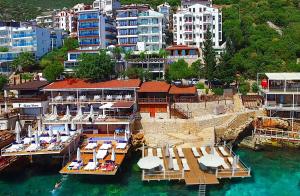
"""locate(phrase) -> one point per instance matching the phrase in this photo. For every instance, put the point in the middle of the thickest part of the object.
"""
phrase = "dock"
(195, 175)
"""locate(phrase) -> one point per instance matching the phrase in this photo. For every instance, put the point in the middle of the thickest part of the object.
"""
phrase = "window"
(194, 27)
(194, 9)
(200, 18)
(214, 26)
(180, 27)
(214, 35)
(180, 35)
(200, 26)
(213, 17)
(180, 19)
(194, 35)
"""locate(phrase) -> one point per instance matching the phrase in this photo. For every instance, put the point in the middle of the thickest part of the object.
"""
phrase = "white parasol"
(149, 162)
(113, 155)
(18, 132)
(67, 129)
(211, 160)
(29, 131)
(78, 157)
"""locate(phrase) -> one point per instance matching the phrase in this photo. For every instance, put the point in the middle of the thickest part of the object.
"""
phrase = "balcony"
(153, 100)
(24, 44)
(23, 35)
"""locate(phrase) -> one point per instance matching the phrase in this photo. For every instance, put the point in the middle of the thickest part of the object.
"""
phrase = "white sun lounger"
(105, 146)
(90, 166)
(180, 152)
(230, 159)
(90, 146)
(158, 152)
(203, 151)
(14, 148)
(32, 147)
(77, 117)
(195, 152)
(150, 152)
(223, 151)
(225, 165)
(175, 165)
(121, 145)
(185, 165)
(51, 147)
(66, 117)
(101, 154)
(172, 154)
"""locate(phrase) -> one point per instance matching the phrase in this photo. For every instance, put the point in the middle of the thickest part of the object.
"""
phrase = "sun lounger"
(105, 146)
(175, 165)
(158, 152)
(172, 154)
(223, 151)
(101, 154)
(121, 145)
(90, 166)
(150, 152)
(77, 117)
(90, 146)
(32, 148)
(225, 165)
(195, 152)
(203, 151)
(14, 148)
(230, 159)
(180, 152)
(185, 165)
(45, 139)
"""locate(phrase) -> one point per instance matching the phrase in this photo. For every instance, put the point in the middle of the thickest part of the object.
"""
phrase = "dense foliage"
(3, 81)
(53, 71)
(95, 66)
(137, 73)
(179, 70)
(24, 62)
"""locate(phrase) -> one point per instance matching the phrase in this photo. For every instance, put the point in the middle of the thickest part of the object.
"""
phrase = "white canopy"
(18, 131)
(78, 157)
(113, 155)
(170, 163)
(149, 162)
(125, 137)
(79, 112)
(39, 127)
(211, 160)
(54, 112)
(57, 137)
(29, 131)
(106, 106)
(167, 153)
(283, 76)
(91, 110)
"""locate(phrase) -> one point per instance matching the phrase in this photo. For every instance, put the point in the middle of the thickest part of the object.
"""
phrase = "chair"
(195, 152)
(180, 152)
(185, 165)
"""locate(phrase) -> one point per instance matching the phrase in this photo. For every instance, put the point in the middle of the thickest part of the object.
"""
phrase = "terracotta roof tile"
(154, 87)
(84, 84)
(31, 85)
(175, 90)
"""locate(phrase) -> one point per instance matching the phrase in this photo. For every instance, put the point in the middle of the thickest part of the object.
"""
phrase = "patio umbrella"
(57, 137)
(91, 111)
(54, 111)
(67, 129)
(170, 163)
(78, 157)
(167, 153)
(94, 156)
(68, 111)
(29, 131)
(113, 155)
(211, 160)
(36, 139)
(212, 150)
(79, 111)
(50, 131)
(18, 131)
(73, 126)
(5, 107)
(149, 162)
(125, 137)
(39, 127)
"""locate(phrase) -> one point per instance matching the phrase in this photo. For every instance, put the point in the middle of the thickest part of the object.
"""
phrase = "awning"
(283, 76)
(106, 106)
(123, 104)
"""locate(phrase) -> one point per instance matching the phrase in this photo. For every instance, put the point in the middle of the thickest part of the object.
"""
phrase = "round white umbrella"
(91, 110)
(18, 131)
(78, 157)
(149, 162)
(170, 163)
(55, 111)
(36, 139)
(211, 160)
(57, 137)
(39, 127)
(113, 155)
(50, 132)
(73, 126)
(29, 131)
(67, 129)
(79, 111)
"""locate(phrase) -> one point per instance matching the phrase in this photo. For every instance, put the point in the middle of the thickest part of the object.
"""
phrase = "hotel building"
(188, 3)
(190, 25)
(140, 28)
(107, 6)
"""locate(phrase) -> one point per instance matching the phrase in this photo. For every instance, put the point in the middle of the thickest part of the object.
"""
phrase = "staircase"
(178, 112)
(202, 187)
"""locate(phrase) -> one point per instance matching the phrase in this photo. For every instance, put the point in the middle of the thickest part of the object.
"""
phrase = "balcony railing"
(153, 100)
(23, 35)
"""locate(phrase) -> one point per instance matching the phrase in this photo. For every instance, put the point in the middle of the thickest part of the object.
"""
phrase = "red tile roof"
(181, 47)
(84, 84)
(31, 85)
(123, 104)
(155, 87)
(175, 90)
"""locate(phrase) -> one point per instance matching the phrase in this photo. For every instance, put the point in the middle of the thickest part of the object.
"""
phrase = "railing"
(278, 134)
(162, 175)
(90, 100)
(24, 35)
(153, 100)
(27, 99)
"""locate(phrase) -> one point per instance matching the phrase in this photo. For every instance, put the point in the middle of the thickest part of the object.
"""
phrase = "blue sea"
(274, 172)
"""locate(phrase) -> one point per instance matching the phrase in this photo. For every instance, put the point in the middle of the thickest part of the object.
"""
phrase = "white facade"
(190, 25)
(140, 29)
(66, 20)
(107, 6)
(33, 39)
(188, 3)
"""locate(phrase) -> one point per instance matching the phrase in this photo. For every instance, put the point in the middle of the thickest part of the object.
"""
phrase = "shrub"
(200, 86)
(255, 87)
(218, 91)
(244, 88)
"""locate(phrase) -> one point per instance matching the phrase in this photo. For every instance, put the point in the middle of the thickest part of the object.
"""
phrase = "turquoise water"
(275, 172)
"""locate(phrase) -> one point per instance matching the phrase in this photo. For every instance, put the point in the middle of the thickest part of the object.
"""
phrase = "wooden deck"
(195, 175)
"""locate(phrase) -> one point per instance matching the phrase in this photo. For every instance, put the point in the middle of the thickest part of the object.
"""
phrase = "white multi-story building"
(107, 6)
(190, 25)
(27, 38)
(188, 3)
(140, 28)
(66, 20)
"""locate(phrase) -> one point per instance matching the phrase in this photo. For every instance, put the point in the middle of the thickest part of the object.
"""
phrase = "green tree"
(53, 71)
(3, 81)
(197, 69)
(4, 49)
(179, 70)
(209, 57)
(70, 44)
(95, 66)
(24, 62)
(135, 73)
(26, 76)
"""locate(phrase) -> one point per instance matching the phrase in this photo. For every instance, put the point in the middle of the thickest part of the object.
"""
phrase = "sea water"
(274, 172)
